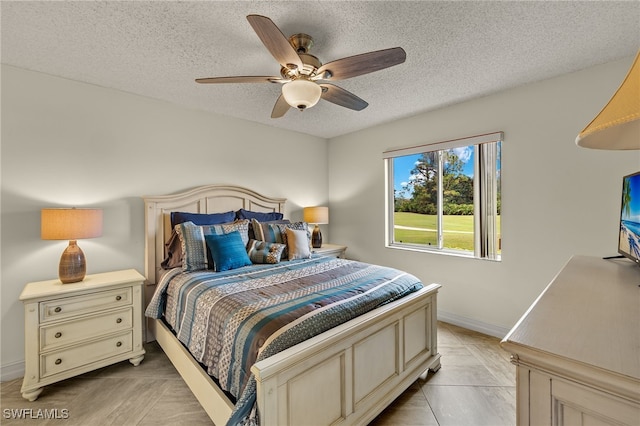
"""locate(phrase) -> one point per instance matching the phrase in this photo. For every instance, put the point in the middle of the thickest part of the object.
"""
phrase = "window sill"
(445, 252)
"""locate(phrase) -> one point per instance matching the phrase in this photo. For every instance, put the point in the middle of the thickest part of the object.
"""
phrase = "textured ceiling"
(455, 50)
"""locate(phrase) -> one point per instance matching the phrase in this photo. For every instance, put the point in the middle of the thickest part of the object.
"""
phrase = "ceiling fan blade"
(280, 108)
(276, 42)
(365, 63)
(239, 79)
(342, 97)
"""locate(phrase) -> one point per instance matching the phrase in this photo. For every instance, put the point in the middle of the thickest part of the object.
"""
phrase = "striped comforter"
(229, 320)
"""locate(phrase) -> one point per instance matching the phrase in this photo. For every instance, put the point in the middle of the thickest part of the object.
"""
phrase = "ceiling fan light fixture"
(301, 73)
(301, 93)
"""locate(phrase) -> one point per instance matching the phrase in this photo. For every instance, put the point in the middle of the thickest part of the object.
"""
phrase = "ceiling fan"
(303, 77)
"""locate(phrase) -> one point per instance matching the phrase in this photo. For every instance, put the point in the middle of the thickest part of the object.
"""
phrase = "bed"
(345, 375)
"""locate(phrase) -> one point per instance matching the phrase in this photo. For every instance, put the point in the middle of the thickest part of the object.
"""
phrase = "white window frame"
(485, 190)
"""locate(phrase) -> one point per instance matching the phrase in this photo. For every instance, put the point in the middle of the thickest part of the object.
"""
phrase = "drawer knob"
(118, 297)
(58, 361)
(57, 309)
(58, 335)
(119, 320)
(119, 344)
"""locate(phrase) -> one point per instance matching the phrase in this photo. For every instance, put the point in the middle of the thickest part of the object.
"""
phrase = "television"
(629, 240)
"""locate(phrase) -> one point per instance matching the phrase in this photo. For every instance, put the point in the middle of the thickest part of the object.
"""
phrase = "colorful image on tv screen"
(630, 217)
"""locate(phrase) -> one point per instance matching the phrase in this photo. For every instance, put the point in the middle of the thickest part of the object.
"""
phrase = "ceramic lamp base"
(72, 267)
(316, 237)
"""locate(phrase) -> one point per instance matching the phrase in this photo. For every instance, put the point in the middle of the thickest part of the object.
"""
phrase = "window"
(445, 197)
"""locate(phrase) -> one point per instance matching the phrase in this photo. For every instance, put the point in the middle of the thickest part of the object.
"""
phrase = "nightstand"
(71, 329)
(332, 250)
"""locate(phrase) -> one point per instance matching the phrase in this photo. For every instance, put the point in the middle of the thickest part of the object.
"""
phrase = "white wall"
(66, 143)
(557, 199)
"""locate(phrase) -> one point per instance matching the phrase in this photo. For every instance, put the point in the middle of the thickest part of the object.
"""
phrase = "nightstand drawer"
(77, 356)
(330, 250)
(64, 333)
(71, 306)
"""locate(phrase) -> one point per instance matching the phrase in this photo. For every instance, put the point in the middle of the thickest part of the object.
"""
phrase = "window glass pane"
(416, 199)
(415, 228)
(457, 189)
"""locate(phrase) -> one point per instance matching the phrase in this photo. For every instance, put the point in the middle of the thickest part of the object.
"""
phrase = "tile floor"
(475, 386)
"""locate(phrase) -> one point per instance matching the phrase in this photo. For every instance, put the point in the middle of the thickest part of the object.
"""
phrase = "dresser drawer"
(77, 356)
(68, 332)
(76, 305)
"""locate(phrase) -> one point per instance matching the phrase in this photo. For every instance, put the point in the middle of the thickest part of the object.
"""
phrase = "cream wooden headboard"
(203, 199)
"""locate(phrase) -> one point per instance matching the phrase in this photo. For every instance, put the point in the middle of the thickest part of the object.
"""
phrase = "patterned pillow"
(195, 255)
(276, 232)
(228, 251)
(298, 244)
(264, 252)
(252, 235)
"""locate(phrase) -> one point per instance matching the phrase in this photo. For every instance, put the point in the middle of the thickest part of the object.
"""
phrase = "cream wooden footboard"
(344, 376)
(349, 374)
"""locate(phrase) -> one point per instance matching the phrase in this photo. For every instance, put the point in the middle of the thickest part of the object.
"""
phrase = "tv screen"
(629, 241)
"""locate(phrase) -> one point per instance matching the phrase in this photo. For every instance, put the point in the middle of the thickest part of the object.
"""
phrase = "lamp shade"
(617, 126)
(301, 93)
(70, 224)
(317, 215)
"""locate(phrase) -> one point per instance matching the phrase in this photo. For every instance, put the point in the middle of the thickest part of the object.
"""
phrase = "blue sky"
(402, 166)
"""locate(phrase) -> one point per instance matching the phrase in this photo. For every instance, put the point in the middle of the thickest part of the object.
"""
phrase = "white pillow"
(298, 244)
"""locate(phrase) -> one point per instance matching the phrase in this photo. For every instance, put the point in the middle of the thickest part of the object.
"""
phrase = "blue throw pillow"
(260, 216)
(202, 218)
(228, 251)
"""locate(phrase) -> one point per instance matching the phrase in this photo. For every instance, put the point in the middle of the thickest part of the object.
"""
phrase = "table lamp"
(617, 126)
(318, 216)
(71, 224)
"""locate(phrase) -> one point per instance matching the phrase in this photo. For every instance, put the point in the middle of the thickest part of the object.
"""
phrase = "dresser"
(577, 348)
(71, 329)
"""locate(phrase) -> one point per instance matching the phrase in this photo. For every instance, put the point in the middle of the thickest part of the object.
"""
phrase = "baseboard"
(11, 371)
(471, 324)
